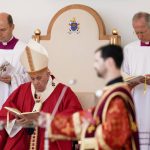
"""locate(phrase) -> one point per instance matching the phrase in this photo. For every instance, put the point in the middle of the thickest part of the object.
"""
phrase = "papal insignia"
(73, 26)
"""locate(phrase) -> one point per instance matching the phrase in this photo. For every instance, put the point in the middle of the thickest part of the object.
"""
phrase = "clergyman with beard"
(112, 123)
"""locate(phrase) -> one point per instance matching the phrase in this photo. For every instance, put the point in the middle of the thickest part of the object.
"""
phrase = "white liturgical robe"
(137, 62)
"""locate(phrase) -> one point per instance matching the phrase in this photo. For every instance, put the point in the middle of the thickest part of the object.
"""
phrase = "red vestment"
(112, 121)
(22, 99)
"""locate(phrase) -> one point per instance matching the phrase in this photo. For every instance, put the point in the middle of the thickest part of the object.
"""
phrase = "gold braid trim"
(121, 94)
(34, 136)
(39, 71)
(107, 91)
(145, 84)
(29, 57)
(101, 141)
(33, 140)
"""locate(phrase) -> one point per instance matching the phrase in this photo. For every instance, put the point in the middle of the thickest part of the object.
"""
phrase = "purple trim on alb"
(10, 45)
(145, 44)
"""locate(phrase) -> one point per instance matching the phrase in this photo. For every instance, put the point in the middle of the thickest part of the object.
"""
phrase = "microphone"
(72, 82)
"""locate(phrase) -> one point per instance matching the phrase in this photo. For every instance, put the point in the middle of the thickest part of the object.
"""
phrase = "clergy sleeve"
(63, 125)
(18, 77)
(114, 132)
(12, 102)
(70, 126)
(12, 129)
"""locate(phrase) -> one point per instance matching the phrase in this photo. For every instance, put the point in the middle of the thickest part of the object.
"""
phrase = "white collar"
(5, 43)
(46, 93)
(147, 42)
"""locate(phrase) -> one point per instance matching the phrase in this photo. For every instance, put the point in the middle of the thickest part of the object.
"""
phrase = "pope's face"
(141, 29)
(99, 64)
(5, 29)
(40, 80)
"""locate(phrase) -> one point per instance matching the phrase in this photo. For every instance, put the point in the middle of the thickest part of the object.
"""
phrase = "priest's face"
(99, 65)
(5, 29)
(40, 80)
(142, 29)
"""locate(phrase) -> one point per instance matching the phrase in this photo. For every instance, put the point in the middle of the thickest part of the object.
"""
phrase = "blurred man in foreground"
(111, 125)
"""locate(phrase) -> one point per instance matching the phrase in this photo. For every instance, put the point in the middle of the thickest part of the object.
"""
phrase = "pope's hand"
(147, 79)
(24, 122)
(132, 85)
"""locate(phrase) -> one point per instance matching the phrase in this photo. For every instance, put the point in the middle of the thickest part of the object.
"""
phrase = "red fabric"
(63, 125)
(22, 99)
(3, 138)
(10, 45)
(116, 129)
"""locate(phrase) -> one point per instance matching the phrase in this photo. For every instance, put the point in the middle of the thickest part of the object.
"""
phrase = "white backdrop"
(31, 14)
